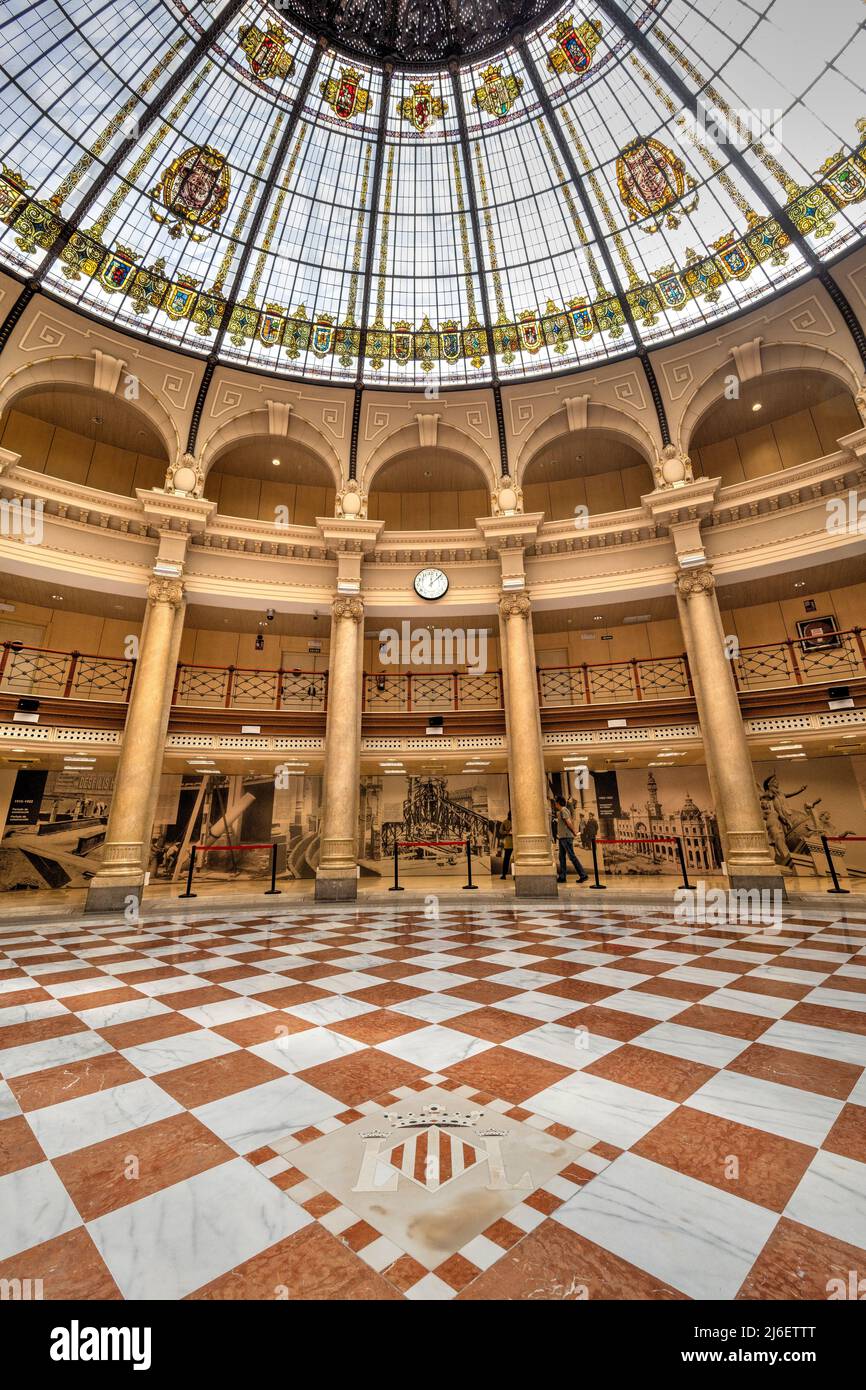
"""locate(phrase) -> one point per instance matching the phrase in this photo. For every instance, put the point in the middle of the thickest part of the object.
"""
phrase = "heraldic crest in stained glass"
(346, 97)
(267, 54)
(499, 93)
(192, 193)
(421, 108)
(652, 182)
(574, 46)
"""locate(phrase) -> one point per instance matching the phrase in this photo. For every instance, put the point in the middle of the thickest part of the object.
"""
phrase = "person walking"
(507, 845)
(565, 839)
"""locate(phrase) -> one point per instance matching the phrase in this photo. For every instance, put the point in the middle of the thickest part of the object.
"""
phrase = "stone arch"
(83, 373)
(448, 437)
(256, 424)
(591, 416)
(774, 358)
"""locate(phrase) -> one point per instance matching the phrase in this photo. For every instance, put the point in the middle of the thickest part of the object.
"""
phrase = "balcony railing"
(428, 692)
(614, 682)
(43, 673)
(803, 661)
(243, 687)
(40, 672)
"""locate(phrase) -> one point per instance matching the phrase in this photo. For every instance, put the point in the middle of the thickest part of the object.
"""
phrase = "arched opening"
(85, 436)
(428, 489)
(778, 421)
(594, 468)
(255, 476)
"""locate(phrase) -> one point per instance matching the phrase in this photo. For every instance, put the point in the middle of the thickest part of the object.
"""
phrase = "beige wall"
(600, 492)
(258, 500)
(428, 511)
(808, 434)
(47, 448)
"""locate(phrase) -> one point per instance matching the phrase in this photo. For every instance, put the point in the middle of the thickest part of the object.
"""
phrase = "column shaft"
(534, 874)
(748, 857)
(337, 874)
(127, 843)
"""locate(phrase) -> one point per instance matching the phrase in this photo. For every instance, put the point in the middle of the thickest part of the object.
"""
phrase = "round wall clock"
(431, 583)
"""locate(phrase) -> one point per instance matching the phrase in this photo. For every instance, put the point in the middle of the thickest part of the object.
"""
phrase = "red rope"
(843, 838)
(270, 845)
(642, 840)
(414, 843)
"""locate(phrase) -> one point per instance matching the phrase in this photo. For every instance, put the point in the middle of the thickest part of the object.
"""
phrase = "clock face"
(431, 583)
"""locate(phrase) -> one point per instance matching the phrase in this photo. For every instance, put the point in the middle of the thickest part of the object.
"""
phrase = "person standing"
(565, 839)
(507, 845)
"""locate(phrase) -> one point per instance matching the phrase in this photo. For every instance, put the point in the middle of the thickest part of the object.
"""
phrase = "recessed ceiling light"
(275, 462)
(57, 597)
(757, 406)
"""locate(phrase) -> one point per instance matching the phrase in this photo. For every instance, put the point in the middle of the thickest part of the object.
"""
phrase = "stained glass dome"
(396, 194)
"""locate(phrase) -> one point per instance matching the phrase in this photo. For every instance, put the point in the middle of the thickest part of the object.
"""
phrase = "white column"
(337, 874)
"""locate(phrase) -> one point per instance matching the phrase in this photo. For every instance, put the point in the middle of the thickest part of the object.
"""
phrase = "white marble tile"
(74, 1124)
(744, 1002)
(225, 1011)
(802, 1037)
(34, 1207)
(130, 1011)
(617, 1114)
(8, 1104)
(182, 1050)
(645, 1005)
(173, 984)
(693, 1044)
(748, 1100)
(174, 1241)
(31, 1013)
(262, 1114)
(697, 1238)
(547, 1008)
(787, 974)
(51, 1052)
(831, 1197)
(434, 1047)
(295, 1051)
(435, 1008)
(837, 999)
(569, 1047)
(331, 1010)
(612, 978)
(694, 975)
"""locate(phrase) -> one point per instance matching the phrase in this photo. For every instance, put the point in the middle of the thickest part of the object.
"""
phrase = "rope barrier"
(270, 844)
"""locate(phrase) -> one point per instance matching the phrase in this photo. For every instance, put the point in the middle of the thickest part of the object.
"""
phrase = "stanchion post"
(682, 858)
(469, 885)
(837, 887)
(597, 884)
(189, 873)
(396, 886)
(273, 888)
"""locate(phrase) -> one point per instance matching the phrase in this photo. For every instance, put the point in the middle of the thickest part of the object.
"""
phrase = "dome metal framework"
(233, 180)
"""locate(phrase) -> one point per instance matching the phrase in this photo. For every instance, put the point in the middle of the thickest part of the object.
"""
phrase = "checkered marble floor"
(538, 1102)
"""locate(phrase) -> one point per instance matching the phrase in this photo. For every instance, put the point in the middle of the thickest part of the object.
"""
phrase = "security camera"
(271, 614)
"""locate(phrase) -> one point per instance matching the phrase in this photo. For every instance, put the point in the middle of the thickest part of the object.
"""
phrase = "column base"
(331, 888)
(535, 885)
(772, 882)
(112, 894)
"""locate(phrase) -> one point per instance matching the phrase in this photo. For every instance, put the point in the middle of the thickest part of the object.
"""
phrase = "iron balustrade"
(44, 673)
(835, 656)
(428, 692)
(614, 682)
(246, 687)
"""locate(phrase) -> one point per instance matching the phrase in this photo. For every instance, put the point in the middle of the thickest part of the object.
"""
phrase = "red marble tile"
(248, 1032)
(361, 1076)
(310, 1265)
(848, 1135)
(800, 1069)
(100, 998)
(608, 1023)
(19, 1147)
(823, 1016)
(750, 1163)
(385, 996)
(69, 1266)
(509, 1074)
(378, 1026)
(729, 1022)
(800, 1263)
(482, 992)
(144, 1030)
(40, 1030)
(494, 1025)
(457, 1272)
(217, 1077)
(71, 1080)
(552, 1263)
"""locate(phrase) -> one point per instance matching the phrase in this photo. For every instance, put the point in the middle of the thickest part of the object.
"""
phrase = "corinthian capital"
(165, 591)
(699, 581)
(349, 608)
(515, 605)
